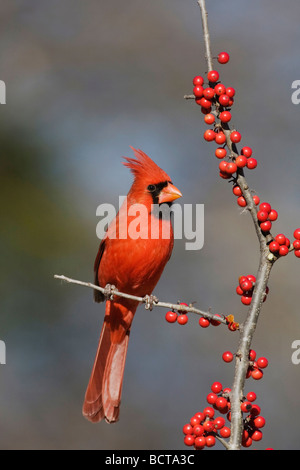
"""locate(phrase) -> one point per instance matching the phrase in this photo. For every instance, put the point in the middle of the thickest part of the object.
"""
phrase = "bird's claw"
(109, 291)
(149, 300)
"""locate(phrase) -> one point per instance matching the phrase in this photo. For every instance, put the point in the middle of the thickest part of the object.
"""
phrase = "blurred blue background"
(85, 80)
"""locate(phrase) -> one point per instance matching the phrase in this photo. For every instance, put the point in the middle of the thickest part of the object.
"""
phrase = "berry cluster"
(217, 95)
(255, 366)
(204, 427)
(246, 287)
(181, 317)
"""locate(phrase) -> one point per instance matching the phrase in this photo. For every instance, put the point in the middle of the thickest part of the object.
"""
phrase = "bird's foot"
(109, 291)
(149, 300)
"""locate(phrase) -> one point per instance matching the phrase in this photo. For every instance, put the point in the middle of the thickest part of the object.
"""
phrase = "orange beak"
(169, 194)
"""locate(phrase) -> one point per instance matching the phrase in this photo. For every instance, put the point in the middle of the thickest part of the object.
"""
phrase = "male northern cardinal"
(134, 266)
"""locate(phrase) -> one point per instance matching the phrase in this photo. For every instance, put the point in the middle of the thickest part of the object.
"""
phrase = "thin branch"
(247, 329)
(148, 300)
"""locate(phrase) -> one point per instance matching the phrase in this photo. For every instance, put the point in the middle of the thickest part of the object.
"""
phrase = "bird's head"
(151, 184)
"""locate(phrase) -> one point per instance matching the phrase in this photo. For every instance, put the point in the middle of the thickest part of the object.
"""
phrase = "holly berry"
(220, 152)
(209, 411)
(220, 89)
(241, 161)
(281, 239)
(171, 317)
(225, 432)
(208, 93)
(215, 322)
(220, 138)
(210, 441)
(274, 247)
(262, 216)
(283, 250)
(204, 322)
(265, 207)
(257, 435)
(296, 244)
(246, 406)
(182, 319)
(297, 234)
(231, 168)
(225, 116)
(209, 118)
(259, 422)
(200, 442)
(224, 100)
(227, 356)
(189, 440)
(216, 387)
(251, 163)
(251, 396)
(221, 403)
(273, 215)
(235, 137)
(247, 151)
(257, 374)
(246, 299)
(241, 201)
(209, 135)
(198, 91)
(198, 80)
(187, 428)
(204, 103)
(266, 226)
(211, 398)
(238, 192)
(230, 91)
(223, 57)
(256, 200)
(213, 76)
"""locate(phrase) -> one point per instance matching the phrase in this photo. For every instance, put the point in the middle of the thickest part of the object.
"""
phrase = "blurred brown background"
(85, 80)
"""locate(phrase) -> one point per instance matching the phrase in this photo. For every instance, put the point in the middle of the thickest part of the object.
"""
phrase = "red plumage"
(134, 266)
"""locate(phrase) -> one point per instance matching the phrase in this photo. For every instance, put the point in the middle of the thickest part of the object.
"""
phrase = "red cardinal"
(134, 265)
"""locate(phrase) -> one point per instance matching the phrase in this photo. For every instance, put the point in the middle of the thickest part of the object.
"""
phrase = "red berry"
(262, 216)
(198, 91)
(231, 168)
(255, 411)
(297, 253)
(246, 406)
(256, 200)
(200, 416)
(238, 192)
(227, 356)
(223, 57)
(206, 104)
(274, 247)
(221, 403)
(200, 442)
(220, 89)
(266, 226)
(265, 207)
(259, 422)
(297, 234)
(189, 440)
(216, 387)
(241, 201)
(241, 161)
(273, 215)
(211, 398)
(257, 435)
(219, 422)
(198, 430)
(204, 322)
(220, 152)
(209, 135)
(251, 278)
(224, 100)
(296, 244)
(187, 428)
(205, 110)
(281, 239)
(262, 362)
(283, 250)
(246, 299)
(287, 242)
(251, 163)
(209, 411)
(235, 137)
(225, 116)
(247, 151)
(230, 91)
(239, 290)
(198, 80)
(182, 319)
(208, 93)
(246, 285)
(213, 76)
(171, 317)
(194, 421)
(252, 355)
(247, 442)
(210, 441)
(220, 138)
(225, 432)
(257, 374)
(209, 118)
(251, 396)
(223, 166)
(208, 426)
(224, 175)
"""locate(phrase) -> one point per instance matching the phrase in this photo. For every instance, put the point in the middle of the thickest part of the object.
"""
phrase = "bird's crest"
(144, 168)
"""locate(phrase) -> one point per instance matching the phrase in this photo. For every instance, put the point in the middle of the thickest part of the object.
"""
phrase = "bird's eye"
(151, 188)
